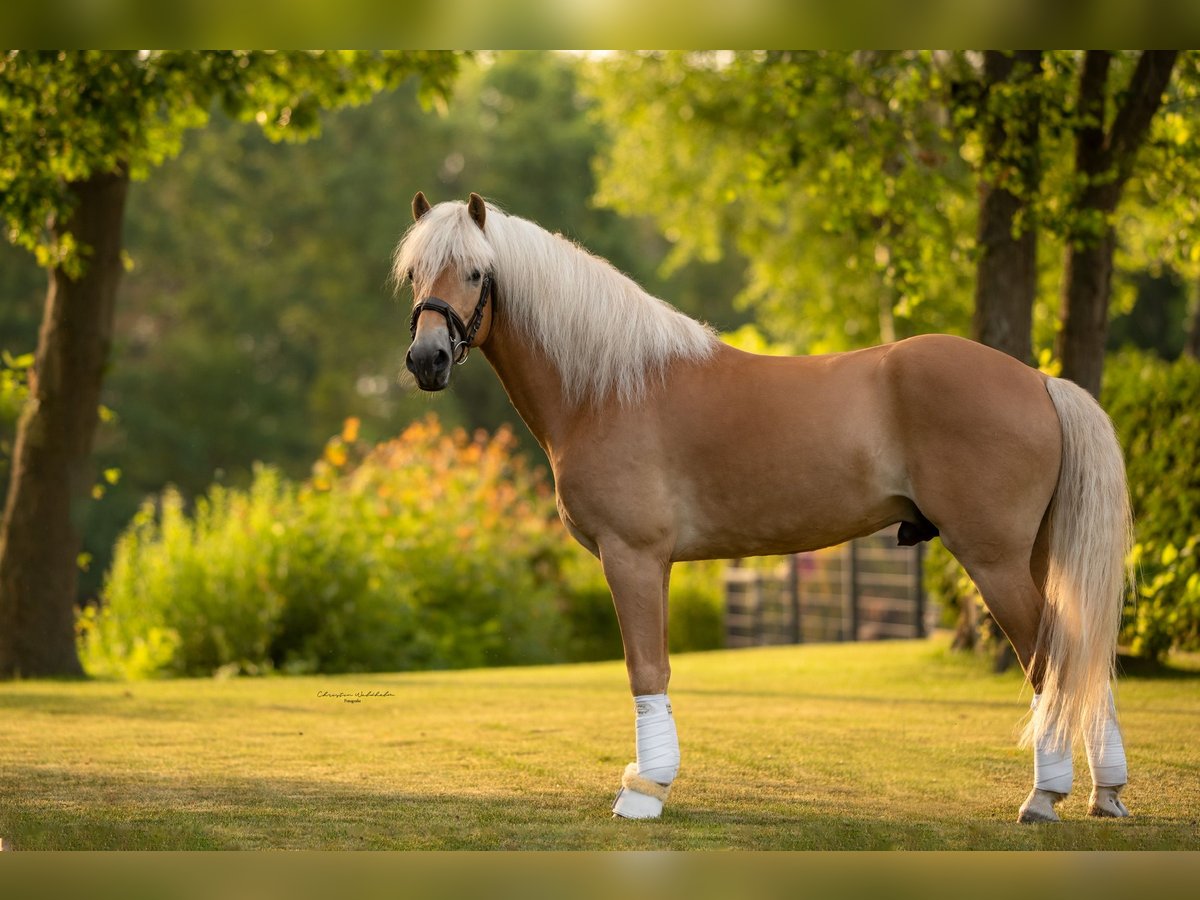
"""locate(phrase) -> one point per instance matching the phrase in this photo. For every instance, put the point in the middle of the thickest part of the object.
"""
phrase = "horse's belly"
(784, 522)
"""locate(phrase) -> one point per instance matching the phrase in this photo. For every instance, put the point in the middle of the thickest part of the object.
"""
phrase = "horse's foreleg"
(638, 580)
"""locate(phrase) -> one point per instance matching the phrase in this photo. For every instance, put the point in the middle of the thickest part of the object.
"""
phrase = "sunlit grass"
(866, 746)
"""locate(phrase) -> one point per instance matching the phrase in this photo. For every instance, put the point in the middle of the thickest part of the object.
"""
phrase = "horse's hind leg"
(1017, 604)
(1105, 750)
(638, 579)
(1106, 759)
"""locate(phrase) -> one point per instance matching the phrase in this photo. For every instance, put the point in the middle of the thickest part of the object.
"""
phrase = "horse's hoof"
(1039, 807)
(633, 805)
(1105, 804)
(639, 798)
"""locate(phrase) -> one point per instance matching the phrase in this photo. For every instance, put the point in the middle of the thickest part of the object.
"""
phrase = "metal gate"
(867, 589)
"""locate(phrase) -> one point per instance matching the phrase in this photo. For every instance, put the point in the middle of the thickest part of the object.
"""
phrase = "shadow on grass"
(50, 808)
(127, 703)
(1152, 669)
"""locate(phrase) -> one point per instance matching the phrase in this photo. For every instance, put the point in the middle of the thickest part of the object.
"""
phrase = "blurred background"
(799, 202)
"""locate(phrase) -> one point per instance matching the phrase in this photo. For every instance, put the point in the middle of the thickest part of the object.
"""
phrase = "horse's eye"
(410, 275)
(475, 275)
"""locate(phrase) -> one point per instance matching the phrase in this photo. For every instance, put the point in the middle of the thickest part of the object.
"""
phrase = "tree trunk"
(1103, 162)
(1087, 286)
(1006, 277)
(1192, 345)
(966, 629)
(51, 468)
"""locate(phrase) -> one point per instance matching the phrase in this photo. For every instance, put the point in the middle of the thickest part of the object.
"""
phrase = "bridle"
(461, 335)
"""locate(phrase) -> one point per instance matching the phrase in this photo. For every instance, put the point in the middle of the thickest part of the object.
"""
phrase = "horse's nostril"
(441, 359)
(408, 362)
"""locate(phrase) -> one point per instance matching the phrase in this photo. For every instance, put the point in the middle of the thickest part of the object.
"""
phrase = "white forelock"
(603, 332)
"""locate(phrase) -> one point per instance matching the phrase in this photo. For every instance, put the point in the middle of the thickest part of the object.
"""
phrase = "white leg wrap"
(1052, 766)
(1106, 756)
(657, 743)
(647, 783)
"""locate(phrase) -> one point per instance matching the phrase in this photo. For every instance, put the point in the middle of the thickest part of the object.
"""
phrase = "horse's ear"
(420, 206)
(477, 209)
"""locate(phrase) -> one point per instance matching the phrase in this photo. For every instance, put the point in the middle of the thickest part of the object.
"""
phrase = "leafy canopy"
(838, 174)
(66, 115)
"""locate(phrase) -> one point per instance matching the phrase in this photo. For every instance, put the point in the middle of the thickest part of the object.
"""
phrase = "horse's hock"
(866, 589)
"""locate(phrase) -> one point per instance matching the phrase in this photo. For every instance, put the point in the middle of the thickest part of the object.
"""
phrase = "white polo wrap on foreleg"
(647, 783)
(657, 743)
(1106, 753)
(1053, 769)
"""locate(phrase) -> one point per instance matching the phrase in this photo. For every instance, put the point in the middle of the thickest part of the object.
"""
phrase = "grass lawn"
(826, 747)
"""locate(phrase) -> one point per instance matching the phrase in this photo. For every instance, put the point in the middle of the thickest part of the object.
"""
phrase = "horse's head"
(448, 261)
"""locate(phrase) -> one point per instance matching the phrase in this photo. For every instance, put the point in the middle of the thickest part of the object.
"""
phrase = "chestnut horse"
(667, 444)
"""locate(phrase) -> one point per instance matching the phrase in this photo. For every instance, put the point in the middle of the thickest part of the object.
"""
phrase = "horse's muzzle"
(429, 361)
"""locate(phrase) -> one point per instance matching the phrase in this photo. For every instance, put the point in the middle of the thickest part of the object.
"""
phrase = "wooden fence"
(867, 589)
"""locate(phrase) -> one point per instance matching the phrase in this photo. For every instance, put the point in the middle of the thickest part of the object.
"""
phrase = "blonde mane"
(603, 333)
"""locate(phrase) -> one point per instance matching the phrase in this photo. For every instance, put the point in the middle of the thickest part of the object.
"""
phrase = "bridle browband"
(461, 335)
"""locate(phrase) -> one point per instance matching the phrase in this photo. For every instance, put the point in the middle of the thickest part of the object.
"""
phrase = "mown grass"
(827, 747)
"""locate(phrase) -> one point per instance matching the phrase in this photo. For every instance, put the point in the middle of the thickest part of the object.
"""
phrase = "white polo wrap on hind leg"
(1053, 769)
(647, 783)
(1106, 753)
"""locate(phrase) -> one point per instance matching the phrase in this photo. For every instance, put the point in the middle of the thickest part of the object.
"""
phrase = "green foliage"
(837, 173)
(14, 389)
(946, 583)
(1162, 218)
(433, 550)
(1156, 408)
(695, 612)
(65, 115)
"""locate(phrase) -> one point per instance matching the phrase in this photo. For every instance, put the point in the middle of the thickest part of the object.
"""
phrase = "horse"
(667, 444)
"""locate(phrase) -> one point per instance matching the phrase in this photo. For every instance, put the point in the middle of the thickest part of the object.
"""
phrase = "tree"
(1006, 273)
(1104, 161)
(76, 128)
(1159, 222)
(1192, 347)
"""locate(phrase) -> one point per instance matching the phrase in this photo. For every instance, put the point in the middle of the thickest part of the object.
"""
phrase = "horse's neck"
(533, 385)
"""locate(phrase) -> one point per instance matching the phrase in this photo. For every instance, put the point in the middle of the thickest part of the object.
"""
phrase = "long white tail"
(1091, 531)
